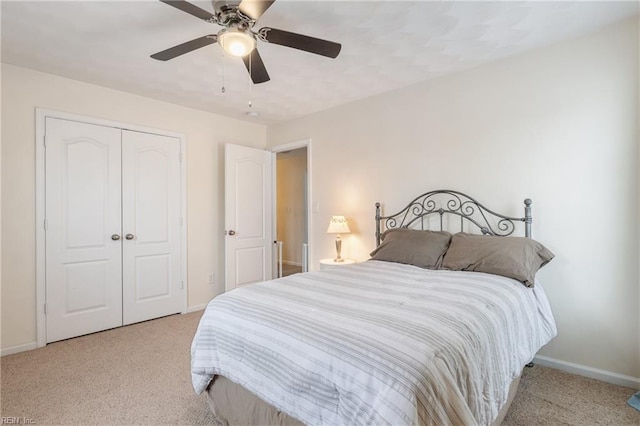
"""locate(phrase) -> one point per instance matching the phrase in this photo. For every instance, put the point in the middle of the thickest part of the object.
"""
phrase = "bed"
(393, 340)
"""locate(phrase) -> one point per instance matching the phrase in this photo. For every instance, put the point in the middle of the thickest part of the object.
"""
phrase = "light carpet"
(139, 374)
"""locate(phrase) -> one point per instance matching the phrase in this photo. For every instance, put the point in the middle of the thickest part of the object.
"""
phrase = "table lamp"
(338, 225)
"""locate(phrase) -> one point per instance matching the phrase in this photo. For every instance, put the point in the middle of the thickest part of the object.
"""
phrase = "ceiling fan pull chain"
(250, 80)
(223, 70)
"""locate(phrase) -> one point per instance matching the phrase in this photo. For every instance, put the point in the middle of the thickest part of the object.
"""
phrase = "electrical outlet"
(212, 278)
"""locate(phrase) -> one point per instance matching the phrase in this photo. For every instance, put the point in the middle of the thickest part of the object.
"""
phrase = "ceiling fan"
(238, 37)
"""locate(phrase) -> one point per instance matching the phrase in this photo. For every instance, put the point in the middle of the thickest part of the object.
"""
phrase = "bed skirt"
(233, 405)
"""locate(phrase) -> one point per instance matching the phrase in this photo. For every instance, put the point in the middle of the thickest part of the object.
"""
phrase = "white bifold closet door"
(112, 227)
(151, 226)
(83, 211)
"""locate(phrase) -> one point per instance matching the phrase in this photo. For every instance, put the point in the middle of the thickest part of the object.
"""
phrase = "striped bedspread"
(375, 343)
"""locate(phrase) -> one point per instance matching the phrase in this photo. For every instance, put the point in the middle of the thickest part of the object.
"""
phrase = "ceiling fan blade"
(183, 48)
(302, 42)
(256, 67)
(254, 8)
(191, 9)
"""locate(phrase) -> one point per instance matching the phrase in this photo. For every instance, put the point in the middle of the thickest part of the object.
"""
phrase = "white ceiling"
(385, 45)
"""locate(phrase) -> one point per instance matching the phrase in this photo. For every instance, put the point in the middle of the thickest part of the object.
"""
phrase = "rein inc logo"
(6, 420)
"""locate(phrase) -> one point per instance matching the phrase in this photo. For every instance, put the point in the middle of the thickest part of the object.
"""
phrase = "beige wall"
(558, 125)
(291, 169)
(22, 91)
(1, 149)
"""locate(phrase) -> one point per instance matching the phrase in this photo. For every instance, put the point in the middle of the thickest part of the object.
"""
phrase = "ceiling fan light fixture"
(236, 42)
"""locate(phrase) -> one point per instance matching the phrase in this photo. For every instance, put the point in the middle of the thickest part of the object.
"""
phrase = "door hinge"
(181, 222)
(45, 140)
(182, 284)
(45, 308)
(180, 157)
(46, 225)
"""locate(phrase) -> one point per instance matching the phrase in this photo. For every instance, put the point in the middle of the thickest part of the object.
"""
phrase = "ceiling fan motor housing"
(221, 5)
(229, 15)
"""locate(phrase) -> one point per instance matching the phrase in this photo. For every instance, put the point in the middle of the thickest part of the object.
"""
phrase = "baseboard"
(593, 373)
(33, 345)
(20, 348)
(196, 308)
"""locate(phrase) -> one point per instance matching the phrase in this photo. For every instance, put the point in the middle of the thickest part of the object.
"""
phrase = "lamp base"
(338, 259)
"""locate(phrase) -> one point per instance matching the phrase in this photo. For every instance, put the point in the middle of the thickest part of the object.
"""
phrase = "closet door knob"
(232, 232)
(129, 236)
(115, 237)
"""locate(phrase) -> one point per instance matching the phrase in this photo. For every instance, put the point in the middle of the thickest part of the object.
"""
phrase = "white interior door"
(83, 229)
(151, 224)
(248, 216)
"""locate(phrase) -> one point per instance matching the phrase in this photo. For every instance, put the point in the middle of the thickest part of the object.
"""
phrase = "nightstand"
(330, 263)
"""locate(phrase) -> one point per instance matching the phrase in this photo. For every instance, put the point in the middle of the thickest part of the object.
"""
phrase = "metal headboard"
(444, 201)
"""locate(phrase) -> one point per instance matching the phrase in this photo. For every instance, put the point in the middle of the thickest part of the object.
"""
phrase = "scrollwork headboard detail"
(444, 201)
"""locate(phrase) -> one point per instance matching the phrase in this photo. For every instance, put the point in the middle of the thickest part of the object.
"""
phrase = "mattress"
(375, 343)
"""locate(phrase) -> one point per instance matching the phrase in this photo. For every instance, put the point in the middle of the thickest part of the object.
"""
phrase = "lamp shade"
(236, 42)
(338, 225)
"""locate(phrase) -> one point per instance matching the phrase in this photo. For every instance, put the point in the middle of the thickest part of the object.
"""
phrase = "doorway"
(291, 210)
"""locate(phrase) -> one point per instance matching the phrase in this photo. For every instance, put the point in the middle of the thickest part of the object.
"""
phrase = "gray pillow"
(513, 257)
(413, 247)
